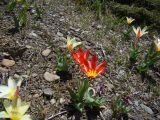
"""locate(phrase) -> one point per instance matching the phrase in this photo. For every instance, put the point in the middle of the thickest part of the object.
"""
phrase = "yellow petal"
(7, 106)
(26, 117)
(3, 114)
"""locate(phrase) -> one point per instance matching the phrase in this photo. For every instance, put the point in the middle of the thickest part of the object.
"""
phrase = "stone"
(48, 92)
(52, 101)
(3, 70)
(46, 52)
(8, 63)
(36, 95)
(51, 77)
(28, 46)
(34, 75)
(59, 34)
(62, 100)
(32, 34)
(146, 108)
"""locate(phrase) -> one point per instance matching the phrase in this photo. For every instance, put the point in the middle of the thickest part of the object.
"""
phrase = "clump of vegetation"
(18, 9)
(120, 109)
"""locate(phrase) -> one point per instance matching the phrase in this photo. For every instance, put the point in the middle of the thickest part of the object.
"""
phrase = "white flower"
(140, 32)
(129, 20)
(15, 112)
(157, 43)
(10, 91)
(72, 43)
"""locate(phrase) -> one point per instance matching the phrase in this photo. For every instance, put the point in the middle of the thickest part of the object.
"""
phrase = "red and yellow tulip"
(80, 56)
(90, 68)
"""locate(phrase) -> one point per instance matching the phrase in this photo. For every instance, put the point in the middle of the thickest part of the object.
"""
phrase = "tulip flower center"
(139, 34)
(70, 47)
(15, 115)
(92, 73)
(11, 94)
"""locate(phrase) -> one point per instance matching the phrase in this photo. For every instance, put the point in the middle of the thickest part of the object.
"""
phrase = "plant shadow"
(64, 75)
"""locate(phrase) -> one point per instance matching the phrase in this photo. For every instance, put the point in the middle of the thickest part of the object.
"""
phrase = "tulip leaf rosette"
(84, 97)
(151, 57)
(18, 10)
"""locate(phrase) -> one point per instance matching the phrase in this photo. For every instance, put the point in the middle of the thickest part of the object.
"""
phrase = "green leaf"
(82, 90)
(23, 18)
(11, 6)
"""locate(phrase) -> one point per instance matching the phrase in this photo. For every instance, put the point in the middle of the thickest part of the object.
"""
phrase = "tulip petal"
(135, 30)
(101, 67)
(87, 53)
(3, 114)
(4, 88)
(11, 83)
(83, 68)
(94, 62)
(23, 108)
(26, 117)
(86, 64)
(75, 56)
(76, 44)
(7, 106)
(3, 95)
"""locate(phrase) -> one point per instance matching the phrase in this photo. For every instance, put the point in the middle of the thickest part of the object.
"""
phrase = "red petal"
(75, 56)
(94, 61)
(87, 53)
(83, 68)
(86, 64)
(101, 67)
(80, 52)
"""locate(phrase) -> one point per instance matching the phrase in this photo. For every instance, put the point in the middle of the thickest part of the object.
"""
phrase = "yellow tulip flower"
(10, 91)
(15, 112)
(140, 32)
(157, 43)
(72, 43)
(129, 20)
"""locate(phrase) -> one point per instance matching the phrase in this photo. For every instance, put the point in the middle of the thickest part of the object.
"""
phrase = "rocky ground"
(32, 53)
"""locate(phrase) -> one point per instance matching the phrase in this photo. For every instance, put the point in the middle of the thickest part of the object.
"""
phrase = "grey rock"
(51, 77)
(147, 109)
(48, 92)
(52, 101)
(46, 52)
(60, 34)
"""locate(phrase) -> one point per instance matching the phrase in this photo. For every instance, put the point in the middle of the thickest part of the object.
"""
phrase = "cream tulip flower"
(140, 32)
(157, 43)
(10, 91)
(15, 112)
(129, 20)
(72, 43)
